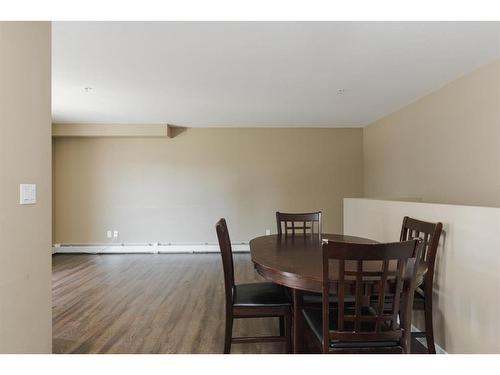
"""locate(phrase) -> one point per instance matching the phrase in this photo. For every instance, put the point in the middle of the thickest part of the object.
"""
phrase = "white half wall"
(467, 277)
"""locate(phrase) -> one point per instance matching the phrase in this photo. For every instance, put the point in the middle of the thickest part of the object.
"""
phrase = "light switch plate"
(27, 193)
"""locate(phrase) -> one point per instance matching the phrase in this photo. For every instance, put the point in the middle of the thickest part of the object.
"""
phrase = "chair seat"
(314, 318)
(311, 298)
(260, 294)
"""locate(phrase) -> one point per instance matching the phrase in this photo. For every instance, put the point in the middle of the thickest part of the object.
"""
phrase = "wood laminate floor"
(149, 303)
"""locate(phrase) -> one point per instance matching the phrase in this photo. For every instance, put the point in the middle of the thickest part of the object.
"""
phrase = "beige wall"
(466, 302)
(443, 148)
(25, 157)
(174, 190)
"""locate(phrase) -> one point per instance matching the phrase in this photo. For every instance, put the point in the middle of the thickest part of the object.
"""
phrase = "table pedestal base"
(298, 322)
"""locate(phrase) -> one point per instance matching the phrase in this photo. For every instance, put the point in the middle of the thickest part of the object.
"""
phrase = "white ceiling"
(257, 73)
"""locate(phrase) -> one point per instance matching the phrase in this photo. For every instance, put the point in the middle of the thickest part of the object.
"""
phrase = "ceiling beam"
(112, 130)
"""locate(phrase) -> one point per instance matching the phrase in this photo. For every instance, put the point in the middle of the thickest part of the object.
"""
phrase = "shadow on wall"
(439, 274)
(174, 130)
(438, 316)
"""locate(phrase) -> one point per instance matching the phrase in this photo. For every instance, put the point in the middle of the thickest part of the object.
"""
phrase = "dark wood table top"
(296, 261)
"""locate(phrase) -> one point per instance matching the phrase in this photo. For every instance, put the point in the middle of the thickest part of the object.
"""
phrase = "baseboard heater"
(147, 248)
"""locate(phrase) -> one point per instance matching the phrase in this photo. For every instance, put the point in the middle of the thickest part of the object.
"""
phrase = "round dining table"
(296, 262)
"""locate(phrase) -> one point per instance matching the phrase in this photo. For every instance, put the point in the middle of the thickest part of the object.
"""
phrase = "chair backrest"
(227, 259)
(429, 234)
(381, 277)
(298, 223)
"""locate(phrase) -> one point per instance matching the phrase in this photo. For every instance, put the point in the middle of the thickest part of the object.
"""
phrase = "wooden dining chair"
(429, 233)
(370, 272)
(255, 300)
(302, 223)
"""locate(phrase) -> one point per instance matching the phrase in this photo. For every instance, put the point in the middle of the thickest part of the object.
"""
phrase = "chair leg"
(288, 332)
(282, 326)
(429, 327)
(229, 333)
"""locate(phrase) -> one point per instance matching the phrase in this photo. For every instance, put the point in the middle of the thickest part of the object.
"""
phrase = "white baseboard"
(143, 248)
(422, 340)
